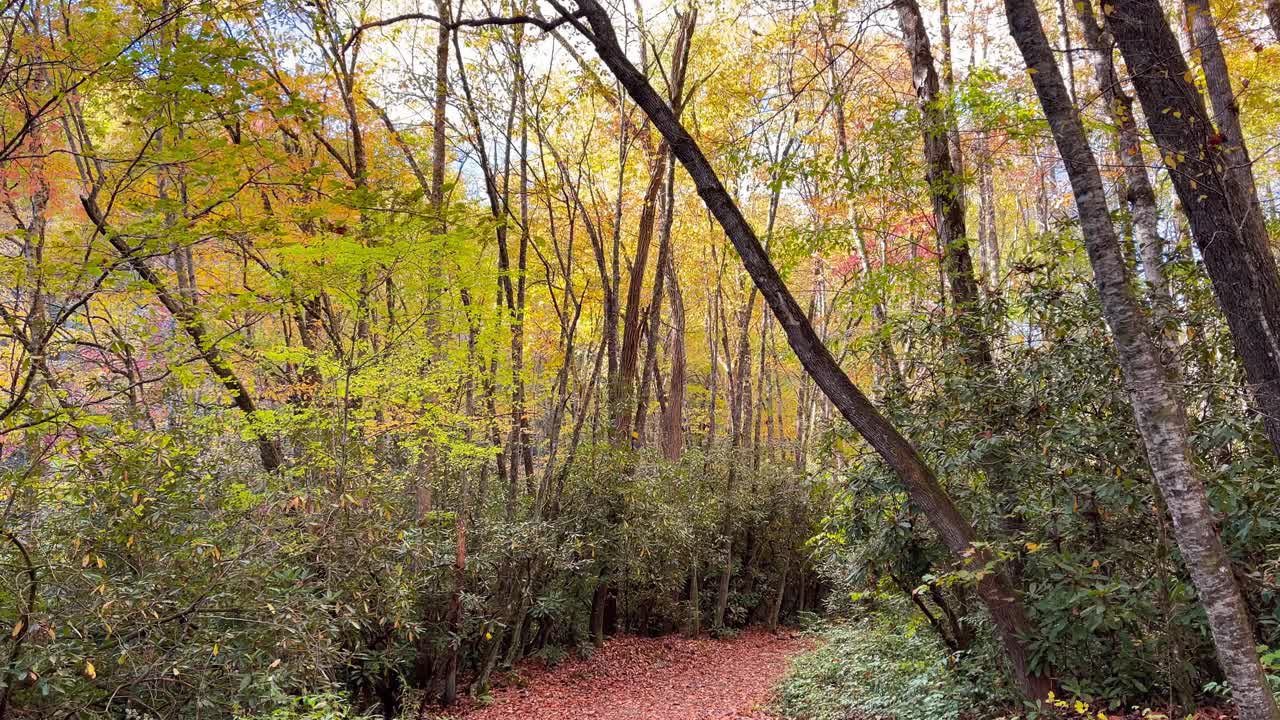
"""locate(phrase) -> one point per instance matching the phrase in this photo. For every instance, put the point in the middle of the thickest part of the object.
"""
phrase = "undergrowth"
(882, 665)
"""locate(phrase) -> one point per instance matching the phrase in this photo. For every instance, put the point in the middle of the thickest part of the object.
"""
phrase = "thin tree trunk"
(945, 185)
(672, 423)
(1140, 195)
(189, 320)
(1160, 417)
(436, 192)
(631, 320)
(1222, 97)
(775, 611)
(988, 241)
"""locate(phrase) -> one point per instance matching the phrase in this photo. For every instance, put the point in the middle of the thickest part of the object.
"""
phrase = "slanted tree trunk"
(917, 478)
(1227, 228)
(189, 320)
(1160, 417)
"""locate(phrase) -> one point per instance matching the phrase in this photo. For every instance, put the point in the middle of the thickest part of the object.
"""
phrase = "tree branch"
(544, 25)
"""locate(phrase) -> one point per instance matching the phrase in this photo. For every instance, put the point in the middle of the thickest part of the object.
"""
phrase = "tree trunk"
(672, 422)
(946, 186)
(695, 601)
(1160, 416)
(1141, 196)
(189, 320)
(988, 241)
(631, 320)
(1227, 229)
(917, 478)
(775, 611)
(1226, 111)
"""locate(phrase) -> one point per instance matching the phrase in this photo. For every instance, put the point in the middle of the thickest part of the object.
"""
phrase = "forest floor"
(633, 678)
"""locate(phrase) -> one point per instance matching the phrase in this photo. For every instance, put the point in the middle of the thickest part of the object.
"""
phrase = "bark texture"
(946, 187)
(1227, 229)
(1160, 416)
(1140, 195)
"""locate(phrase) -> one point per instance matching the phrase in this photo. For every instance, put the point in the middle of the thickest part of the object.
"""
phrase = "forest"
(357, 356)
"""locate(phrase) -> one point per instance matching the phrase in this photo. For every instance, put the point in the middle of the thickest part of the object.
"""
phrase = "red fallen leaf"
(652, 679)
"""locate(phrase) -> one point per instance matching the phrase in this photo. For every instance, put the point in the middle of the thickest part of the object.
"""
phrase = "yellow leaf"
(17, 628)
(1032, 71)
(1033, 547)
(90, 670)
(84, 561)
(215, 649)
(1188, 77)
(1095, 565)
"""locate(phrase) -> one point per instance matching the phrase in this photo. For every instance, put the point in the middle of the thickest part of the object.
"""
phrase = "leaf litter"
(637, 678)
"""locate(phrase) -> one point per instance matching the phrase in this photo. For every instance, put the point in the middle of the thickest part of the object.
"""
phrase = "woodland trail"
(632, 678)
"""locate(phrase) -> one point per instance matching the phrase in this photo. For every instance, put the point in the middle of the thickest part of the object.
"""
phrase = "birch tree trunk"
(1160, 416)
(1141, 197)
(1226, 226)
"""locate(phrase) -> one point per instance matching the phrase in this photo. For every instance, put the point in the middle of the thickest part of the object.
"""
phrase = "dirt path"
(651, 679)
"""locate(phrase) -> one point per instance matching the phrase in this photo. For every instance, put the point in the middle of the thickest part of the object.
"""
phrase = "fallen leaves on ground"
(632, 678)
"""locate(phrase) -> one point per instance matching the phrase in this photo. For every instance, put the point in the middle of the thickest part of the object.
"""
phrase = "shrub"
(878, 666)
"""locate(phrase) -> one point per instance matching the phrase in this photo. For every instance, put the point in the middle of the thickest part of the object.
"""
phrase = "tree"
(1222, 209)
(1161, 419)
(915, 475)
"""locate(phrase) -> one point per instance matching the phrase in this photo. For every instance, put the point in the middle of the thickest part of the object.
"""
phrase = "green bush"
(879, 666)
(322, 706)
